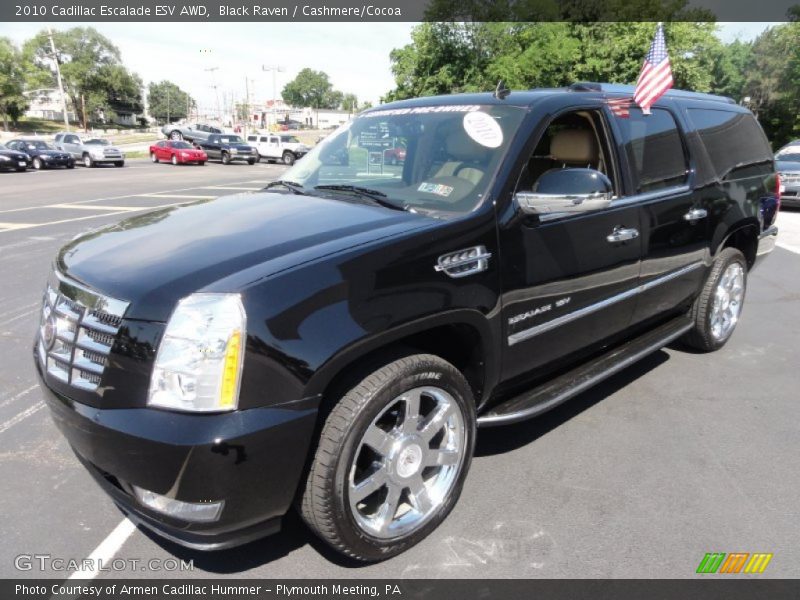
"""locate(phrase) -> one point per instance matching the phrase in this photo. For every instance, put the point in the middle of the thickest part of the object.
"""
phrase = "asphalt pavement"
(680, 455)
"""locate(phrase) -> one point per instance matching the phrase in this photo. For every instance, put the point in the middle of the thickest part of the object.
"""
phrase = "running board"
(552, 393)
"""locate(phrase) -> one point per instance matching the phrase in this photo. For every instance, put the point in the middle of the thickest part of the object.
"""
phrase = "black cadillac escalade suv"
(334, 341)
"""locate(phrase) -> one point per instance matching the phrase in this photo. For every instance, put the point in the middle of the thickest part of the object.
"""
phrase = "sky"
(354, 55)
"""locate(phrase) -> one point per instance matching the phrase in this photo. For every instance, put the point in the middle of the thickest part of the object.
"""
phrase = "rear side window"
(654, 149)
(733, 140)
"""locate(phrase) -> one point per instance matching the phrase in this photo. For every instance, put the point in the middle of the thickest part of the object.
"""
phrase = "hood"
(155, 259)
(13, 154)
(238, 146)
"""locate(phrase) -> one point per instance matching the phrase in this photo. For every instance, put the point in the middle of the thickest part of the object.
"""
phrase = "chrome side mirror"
(567, 191)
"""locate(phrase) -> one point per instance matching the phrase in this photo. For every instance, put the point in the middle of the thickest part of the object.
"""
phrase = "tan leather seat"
(575, 148)
(466, 158)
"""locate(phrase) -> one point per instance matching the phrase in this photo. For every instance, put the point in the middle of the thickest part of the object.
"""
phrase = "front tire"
(119, 164)
(288, 158)
(718, 307)
(392, 458)
(174, 160)
(226, 159)
(153, 157)
(88, 162)
(37, 163)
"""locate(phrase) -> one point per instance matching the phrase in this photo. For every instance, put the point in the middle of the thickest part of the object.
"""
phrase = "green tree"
(12, 82)
(311, 89)
(168, 102)
(91, 68)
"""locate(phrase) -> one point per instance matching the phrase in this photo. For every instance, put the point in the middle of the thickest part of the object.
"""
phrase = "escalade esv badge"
(332, 343)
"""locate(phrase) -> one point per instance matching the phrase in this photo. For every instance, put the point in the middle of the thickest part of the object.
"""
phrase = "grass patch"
(137, 154)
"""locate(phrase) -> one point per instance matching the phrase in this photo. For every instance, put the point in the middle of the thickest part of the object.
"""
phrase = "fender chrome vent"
(464, 262)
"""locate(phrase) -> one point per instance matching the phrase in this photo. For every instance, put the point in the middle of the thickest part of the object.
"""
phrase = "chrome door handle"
(621, 234)
(695, 214)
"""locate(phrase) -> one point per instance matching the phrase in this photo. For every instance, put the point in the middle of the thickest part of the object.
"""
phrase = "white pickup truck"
(277, 146)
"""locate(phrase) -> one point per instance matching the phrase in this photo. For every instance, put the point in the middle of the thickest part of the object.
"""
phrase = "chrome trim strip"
(89, 298)
(583, 385)
(526, 334)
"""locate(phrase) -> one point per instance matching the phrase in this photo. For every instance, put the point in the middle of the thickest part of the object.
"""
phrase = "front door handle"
(695, 214)
(622, 234)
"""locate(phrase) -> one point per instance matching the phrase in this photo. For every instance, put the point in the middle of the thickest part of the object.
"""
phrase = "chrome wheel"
(727, 304)
(407, 462)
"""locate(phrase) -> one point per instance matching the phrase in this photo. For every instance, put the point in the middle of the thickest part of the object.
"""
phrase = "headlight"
(199, 362)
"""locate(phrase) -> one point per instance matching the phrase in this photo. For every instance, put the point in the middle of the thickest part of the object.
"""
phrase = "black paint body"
(326, 283)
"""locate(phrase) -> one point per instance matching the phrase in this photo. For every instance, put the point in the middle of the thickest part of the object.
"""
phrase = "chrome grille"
(78, 328)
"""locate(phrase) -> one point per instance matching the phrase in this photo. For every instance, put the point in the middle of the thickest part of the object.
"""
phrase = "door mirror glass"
(568, 191)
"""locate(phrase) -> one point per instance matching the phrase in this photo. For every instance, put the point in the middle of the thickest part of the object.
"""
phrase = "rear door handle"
(622, 234)
(695, 214)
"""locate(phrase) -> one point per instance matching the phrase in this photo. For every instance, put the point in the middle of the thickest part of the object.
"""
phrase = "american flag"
(656, 75)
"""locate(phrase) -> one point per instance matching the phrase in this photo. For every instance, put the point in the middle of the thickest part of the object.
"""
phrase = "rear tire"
(717, 309)
(119, 164)
(392, 458)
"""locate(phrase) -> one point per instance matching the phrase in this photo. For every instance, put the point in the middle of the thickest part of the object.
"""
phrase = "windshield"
(289, 139)
(36, 145)
(789, 156)
(449, 154)
(181, 145)
(97, 141)
(230, 139)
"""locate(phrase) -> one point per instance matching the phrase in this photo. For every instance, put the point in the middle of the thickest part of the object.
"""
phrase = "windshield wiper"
(375, 196)
(292, 186)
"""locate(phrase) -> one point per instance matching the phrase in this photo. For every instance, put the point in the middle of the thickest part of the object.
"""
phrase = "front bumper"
(240, 156)
(252, 459)
(791, 195)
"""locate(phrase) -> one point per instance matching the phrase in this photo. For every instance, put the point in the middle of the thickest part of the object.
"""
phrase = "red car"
(177, 152)
(394, 156)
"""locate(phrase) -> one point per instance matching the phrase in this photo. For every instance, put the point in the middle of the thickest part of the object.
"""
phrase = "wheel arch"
(461, 337)
(744, 237)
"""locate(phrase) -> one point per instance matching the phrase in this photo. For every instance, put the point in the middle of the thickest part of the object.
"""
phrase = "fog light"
(196, 512)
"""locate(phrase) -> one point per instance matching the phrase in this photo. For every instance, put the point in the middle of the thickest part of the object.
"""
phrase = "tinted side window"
(733, 140)
(654, 149)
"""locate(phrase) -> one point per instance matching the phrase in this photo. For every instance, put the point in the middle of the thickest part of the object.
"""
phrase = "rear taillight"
(778, 190)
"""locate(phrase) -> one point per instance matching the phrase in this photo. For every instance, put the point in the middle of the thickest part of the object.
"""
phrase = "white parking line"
(789, 247)
(118, 211)
(93, 207)
(18, 395)
(159, 195)
(18, 317)
(33, 409)
(12, 226)
(227, 187)
(106, 551)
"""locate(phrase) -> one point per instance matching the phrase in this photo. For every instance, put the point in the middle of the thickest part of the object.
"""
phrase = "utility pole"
(214, 85)
(275, 69)
(246, 106)
(58, 77)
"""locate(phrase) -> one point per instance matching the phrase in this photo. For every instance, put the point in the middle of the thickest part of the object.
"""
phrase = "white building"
(273, 113)
(46, 104)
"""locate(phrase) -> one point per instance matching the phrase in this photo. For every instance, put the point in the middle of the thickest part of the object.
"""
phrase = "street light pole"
(58, 77)
(275, 69)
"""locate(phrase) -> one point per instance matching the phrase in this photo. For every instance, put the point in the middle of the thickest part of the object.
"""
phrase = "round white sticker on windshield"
(483, 129)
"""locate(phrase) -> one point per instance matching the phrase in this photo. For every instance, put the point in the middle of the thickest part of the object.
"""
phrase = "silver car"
(788, 167)
(90, 151)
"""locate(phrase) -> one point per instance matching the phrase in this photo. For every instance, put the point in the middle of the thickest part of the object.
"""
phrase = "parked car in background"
(189, 132)
(13, 159)
(177, 152)
(227, 148)
(42, 155)
(90, 151)
(395, 156)
(291, 125)
(788, 166)
(277, 146)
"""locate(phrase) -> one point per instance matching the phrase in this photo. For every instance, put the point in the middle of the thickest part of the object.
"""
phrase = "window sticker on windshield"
(435, 188)
(421, 110)
(483, 129)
